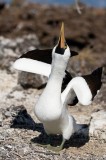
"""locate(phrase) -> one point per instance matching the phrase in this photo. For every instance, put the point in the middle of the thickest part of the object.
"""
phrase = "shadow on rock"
(77, 140)
(80, 138)
(21, 119)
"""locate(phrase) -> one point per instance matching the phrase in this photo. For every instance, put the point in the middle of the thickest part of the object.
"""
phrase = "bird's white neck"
(56, 76)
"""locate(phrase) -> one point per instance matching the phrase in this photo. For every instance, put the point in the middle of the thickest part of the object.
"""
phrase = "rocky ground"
(20, 129)
(26, 28)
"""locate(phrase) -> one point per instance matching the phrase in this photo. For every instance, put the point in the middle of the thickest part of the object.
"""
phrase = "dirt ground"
(19, 141)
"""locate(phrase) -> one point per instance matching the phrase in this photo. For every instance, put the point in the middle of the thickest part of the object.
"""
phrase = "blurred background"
(95, 3)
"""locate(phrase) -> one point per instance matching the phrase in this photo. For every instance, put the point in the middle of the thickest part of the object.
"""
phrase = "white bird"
(51, 108)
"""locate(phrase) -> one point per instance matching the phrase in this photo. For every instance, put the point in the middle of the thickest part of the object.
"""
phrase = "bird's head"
(62, 47)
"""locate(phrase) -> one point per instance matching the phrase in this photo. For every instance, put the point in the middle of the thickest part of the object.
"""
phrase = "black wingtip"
(74, 53)
(44, 55)
(98, 71)
(94, 81)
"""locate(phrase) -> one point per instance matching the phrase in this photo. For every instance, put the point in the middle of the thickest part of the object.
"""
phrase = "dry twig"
(78, 7)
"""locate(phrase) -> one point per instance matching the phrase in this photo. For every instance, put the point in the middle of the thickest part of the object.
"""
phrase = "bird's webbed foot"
(43, 145)
(55, 149)
(43, 141)
(58, 148)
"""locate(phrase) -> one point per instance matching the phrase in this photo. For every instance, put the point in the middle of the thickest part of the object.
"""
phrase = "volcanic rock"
(98, 125)
(10, 49)
(31, 80)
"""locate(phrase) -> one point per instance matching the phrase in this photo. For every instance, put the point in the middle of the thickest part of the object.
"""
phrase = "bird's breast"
(48, 110)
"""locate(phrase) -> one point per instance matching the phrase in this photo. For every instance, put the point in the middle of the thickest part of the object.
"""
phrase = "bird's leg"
(58, 148)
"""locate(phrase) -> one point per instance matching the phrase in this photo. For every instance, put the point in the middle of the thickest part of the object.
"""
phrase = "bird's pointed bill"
(62, 40)
(62, 45)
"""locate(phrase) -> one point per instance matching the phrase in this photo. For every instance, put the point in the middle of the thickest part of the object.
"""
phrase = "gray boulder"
(97, 127)
(30, 80)
(11, 49)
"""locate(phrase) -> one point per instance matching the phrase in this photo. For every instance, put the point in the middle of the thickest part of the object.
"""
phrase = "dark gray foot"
(58, 148)
(55, 149)
(43, 145)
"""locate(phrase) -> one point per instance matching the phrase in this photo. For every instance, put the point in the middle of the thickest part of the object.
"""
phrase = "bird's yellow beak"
(62, 41)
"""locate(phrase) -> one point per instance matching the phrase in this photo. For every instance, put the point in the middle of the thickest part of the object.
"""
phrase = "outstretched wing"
(84, 88)
(37, 61)
(77, 87)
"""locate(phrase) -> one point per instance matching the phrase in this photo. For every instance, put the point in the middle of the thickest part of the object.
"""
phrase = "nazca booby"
(51, 108)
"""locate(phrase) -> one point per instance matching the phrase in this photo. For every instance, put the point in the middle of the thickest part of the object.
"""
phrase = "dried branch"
(78, 7)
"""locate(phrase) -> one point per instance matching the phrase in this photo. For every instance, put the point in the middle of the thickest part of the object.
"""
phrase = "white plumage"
(33, 66)
(51, 108)
(81, 90)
